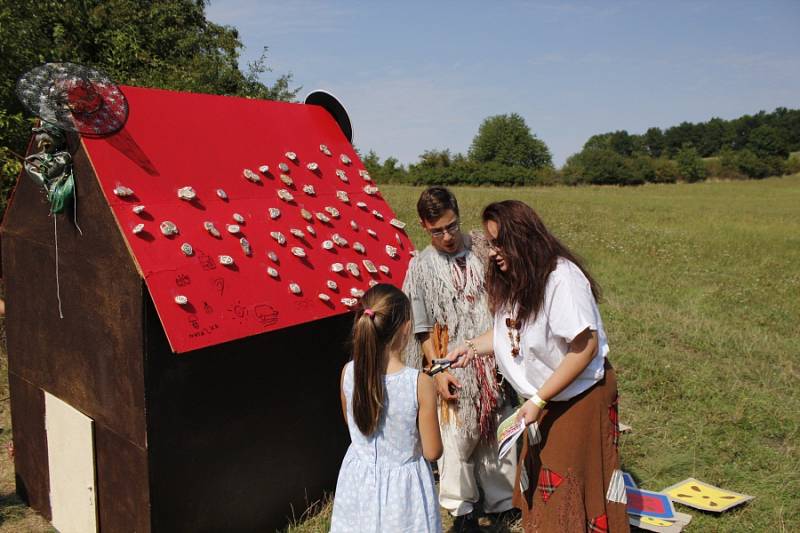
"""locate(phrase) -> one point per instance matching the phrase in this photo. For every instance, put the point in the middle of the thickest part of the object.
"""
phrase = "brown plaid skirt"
(569, 471)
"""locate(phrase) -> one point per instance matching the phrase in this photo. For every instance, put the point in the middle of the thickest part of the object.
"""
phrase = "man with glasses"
(445, 283)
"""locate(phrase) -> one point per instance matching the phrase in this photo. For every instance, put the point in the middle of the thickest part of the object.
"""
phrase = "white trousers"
(468, 463)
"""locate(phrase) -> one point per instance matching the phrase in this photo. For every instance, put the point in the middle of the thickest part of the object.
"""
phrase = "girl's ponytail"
(383, 312)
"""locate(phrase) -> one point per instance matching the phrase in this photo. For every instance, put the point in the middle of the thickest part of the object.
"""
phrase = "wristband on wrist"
(472, 347)
(538, 401)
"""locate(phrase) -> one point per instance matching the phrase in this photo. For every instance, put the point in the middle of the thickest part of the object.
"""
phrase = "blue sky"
(423, 75)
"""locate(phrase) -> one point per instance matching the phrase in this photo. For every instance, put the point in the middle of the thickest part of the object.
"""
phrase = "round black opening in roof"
(333, 106)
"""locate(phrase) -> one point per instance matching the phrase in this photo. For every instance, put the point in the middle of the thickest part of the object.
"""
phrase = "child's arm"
(341, 395)
(428, 418)
(442, 380)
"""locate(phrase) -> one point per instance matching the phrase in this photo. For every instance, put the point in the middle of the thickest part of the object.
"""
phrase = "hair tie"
(369, 312)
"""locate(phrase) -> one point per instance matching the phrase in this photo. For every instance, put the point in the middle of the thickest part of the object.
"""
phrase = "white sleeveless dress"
(385, 484)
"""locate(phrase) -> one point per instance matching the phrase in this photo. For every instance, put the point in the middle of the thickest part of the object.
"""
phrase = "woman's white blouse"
(568, 309)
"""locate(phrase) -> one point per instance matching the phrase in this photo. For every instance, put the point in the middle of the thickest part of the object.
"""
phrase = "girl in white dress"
(385, 482)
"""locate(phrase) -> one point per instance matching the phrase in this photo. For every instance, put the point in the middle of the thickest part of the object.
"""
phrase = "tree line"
(171, 45)
(751, 146)
(503, 152)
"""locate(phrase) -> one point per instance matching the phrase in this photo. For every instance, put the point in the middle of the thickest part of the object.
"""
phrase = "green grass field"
(702, 306)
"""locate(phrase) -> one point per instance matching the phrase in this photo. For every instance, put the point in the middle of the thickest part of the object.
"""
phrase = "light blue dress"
(385, 484)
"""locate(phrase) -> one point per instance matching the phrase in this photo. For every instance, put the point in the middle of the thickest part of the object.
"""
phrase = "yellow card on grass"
(659, 525)
(703, 496)
(655, 521)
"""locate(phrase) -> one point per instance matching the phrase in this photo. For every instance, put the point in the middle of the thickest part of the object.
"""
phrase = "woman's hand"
(477, 347)
(461, 356)
(530, 412)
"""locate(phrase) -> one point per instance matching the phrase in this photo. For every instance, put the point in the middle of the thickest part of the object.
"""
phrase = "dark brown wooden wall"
(93, 357)
(243, 433)
(30, 442)
(236, 437)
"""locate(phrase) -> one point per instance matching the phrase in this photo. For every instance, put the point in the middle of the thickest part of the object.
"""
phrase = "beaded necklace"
(513, 335)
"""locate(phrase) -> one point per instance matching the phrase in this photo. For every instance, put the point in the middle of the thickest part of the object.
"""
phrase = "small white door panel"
(70, 452)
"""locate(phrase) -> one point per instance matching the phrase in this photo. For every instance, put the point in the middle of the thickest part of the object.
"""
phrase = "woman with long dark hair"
(550, 344)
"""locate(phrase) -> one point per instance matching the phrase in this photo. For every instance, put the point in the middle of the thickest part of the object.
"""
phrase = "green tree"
(768, 141)
(788, 121)
(388, 171)
(506, 139)
(654, 142)
(742, 127)
(600, 141)
(666, 170)
(393, 172)
(600, 166)
(372, 163)
(152, 43)
(676, 137)
(690, 164)
(713, 138)
(793, 164)
(641, 169)
(749, 164)
(622, 143)
(435, 158)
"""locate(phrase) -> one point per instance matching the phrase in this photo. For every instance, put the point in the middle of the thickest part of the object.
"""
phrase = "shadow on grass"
(11, 507)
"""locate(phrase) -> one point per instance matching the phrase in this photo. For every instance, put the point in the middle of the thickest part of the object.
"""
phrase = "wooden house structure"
(205, 278)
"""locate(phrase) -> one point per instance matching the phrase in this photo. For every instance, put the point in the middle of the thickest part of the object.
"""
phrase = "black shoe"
(467, 523)
(505, 519)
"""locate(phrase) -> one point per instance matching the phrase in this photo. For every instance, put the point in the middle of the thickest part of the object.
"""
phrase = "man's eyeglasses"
(452, 228)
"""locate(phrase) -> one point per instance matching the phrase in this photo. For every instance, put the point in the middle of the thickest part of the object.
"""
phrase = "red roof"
(175, 140)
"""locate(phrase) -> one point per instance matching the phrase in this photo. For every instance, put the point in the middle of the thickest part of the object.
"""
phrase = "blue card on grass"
(648, 503)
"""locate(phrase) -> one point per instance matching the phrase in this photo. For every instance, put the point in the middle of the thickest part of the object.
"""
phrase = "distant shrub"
(474, 173)
(713, 167)
(768, 141)
(573, 172)
(640, 170)
(793, 164)
(665, 170)
(548, 176)
(749, 164)
(728, 167)
(690, 164)
(777, 165)
(602, 166)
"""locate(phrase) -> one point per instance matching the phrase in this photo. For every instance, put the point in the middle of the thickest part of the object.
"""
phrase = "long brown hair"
(378, 322)
(531, 253)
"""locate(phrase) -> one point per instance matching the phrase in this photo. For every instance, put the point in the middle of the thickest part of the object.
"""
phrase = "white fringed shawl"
(458, 299)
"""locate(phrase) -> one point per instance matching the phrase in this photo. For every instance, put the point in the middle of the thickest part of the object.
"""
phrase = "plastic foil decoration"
(74, 98)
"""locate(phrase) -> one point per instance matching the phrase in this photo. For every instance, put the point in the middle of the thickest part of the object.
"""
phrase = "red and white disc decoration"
(74, 98)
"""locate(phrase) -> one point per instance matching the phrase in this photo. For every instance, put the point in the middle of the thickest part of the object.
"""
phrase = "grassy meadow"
(702, 305)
